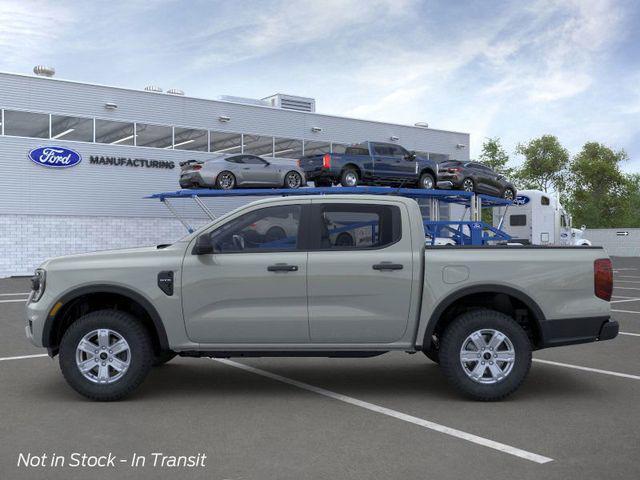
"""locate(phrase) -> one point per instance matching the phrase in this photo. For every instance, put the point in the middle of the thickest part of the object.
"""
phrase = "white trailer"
(538, 218)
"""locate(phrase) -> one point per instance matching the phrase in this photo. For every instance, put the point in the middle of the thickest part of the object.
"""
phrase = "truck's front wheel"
(485, 354)
(105, 355)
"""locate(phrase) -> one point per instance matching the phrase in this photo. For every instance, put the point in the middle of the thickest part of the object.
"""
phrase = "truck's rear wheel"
(349, 178)
(485, 354)
(105, 355)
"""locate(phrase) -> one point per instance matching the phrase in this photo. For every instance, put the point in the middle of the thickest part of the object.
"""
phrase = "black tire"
(347, 177)
(427, 181)
(221, 180)
(140, 347)
(468, 185)
(294, 185)
(509, 194)
(454, 339)
(163, 357)
(322, 183)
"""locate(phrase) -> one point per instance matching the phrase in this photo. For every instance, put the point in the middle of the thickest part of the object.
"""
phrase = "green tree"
(494, 156)
(545, 164)
(600, 194)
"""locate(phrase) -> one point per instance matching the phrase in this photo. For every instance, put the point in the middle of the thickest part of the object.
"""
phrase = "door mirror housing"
(203, 245)
(411, 156)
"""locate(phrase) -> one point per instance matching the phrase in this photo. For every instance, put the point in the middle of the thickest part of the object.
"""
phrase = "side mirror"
(411, 156)
(203, 245)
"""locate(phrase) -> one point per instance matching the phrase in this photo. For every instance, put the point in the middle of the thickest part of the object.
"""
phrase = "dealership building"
(128, 144)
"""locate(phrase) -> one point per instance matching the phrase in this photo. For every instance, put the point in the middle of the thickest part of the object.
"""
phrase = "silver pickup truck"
(336, 276)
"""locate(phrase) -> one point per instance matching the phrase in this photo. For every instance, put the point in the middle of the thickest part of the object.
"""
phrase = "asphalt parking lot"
(577, 415)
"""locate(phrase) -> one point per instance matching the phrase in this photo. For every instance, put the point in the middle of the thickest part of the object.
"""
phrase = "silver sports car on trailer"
(241, 170)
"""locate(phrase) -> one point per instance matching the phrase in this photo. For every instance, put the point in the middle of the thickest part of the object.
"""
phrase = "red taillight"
(196, 167)
(454, 170)
(326, 161)
(603, 278)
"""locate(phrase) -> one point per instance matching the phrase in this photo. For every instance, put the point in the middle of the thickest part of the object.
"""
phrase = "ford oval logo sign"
(55, 157)
(521, 200)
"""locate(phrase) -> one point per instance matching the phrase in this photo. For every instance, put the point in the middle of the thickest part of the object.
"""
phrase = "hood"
(103, 258)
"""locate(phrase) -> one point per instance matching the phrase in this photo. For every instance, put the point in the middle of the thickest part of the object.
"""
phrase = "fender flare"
(107, 288)
(538, 315)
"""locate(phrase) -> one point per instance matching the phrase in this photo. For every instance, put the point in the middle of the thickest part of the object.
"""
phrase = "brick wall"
(27, 240)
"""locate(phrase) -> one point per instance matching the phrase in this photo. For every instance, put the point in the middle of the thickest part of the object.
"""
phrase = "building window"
(338, 148)
(287, 148)
(257, 145)
(157, 136)
(71, 128)
(225, 142)
(26, 124)
(190, 139)
(316, 148)
(115, 133)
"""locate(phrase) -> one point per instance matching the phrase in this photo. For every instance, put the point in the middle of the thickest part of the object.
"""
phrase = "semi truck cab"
(538, 218)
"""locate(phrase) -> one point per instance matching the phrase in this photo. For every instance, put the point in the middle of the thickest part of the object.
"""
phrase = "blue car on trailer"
(371, 163)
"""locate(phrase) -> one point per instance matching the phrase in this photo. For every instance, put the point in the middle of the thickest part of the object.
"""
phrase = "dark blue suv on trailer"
(371, 163)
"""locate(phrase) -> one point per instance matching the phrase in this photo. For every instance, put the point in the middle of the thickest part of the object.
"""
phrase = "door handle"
(281, 267)
(388, 266)
(246, 168)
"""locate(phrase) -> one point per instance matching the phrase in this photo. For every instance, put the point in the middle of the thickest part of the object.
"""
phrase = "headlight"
(38, 282)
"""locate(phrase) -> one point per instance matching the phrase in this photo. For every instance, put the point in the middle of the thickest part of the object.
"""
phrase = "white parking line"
(626, 281)
(23, 300)
(625, 276)
(13, 294)
(624, 311)
(625, 300)
(630, 334)
(587, 369)
(22, 357)
(485, 442)
(626, 288)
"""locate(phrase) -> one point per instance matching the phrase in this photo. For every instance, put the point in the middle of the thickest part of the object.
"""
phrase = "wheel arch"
(501, 298)
(354, 167)
(430, 171)
(96, 297)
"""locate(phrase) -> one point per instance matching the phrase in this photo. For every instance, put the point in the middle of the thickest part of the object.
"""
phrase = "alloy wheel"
(487, 356)
(103, 356)
(467, 185)
(508, 194)
(226, 181)
(427, 182)
(293, 180)
(351, 179)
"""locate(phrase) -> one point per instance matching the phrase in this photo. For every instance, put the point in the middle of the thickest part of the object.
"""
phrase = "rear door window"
(355, 226)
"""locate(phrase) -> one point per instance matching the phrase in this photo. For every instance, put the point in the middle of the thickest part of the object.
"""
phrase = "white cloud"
(30, 29)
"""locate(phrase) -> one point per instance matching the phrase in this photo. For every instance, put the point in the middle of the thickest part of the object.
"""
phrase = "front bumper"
(571, 331)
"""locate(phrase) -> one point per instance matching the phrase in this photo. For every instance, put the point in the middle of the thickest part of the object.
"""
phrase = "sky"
(514, 70)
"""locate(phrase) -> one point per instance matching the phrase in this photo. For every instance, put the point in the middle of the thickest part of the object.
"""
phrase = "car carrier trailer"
(461, 232)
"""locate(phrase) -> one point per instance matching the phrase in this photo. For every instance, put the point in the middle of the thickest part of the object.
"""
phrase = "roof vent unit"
(175, 91)
(153, 88)
(291, 102)
(244, 100)
(43, 71)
